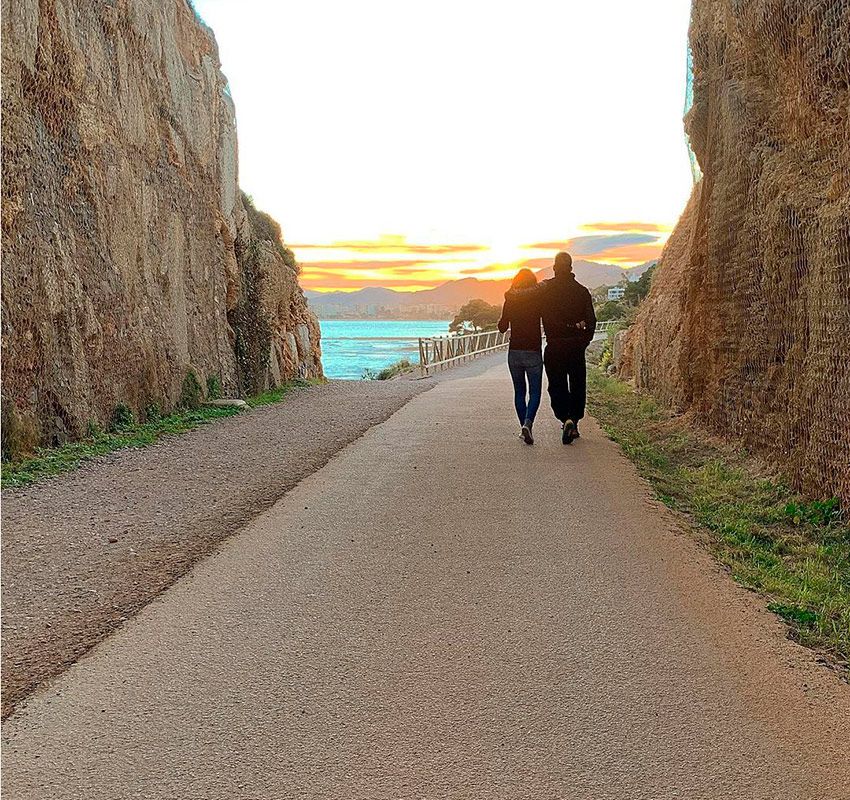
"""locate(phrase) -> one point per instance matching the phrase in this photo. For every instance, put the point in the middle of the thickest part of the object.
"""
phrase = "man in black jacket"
(569, 323)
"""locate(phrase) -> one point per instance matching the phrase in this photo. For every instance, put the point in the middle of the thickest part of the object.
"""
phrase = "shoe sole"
(567, 435)
(526, 435)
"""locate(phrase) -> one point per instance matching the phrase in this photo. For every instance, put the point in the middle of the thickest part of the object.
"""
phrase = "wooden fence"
(442, 352)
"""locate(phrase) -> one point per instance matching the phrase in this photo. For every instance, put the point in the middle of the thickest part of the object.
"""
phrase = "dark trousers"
(567, 374)
(526, 367)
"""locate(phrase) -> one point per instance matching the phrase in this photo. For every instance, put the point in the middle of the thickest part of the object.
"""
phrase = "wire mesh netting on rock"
(748, 320)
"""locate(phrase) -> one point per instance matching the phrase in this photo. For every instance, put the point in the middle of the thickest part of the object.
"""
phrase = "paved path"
(442, 612)
(84, 551)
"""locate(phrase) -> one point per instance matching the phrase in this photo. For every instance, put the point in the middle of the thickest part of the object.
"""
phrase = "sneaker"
(576, 434)
(526, 433)
(567, 432)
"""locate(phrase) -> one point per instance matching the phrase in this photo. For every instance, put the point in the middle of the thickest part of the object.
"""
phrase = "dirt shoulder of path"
(84, 551)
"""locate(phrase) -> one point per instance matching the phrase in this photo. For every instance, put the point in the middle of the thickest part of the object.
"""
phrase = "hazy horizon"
(406, 145)
(537, 270)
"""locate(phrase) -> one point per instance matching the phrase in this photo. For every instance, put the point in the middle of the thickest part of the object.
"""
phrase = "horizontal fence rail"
(442, 352)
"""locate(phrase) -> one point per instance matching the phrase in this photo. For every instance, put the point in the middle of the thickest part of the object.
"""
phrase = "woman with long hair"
(521, 313)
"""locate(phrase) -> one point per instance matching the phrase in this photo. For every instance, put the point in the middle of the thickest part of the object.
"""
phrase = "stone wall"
(748, 320)
(125, 237)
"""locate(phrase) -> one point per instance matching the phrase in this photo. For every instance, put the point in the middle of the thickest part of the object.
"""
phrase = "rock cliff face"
(748, 320)
(129, 254)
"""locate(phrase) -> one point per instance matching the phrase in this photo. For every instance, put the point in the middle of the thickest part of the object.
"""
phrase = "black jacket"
(564, 304)
(522, 314)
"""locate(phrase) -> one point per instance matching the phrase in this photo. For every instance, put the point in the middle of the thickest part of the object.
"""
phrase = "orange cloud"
(388, 261)
(350, 266)
(490, 271)
(548, 246)
(407, 274)
(394, 263)
(339, 284)
(629, 255)
(594, 244)
(391, 244)
(620, 249)
(334, 281)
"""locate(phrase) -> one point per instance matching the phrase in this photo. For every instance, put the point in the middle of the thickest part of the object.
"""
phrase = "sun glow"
(393, 262)
(407, 144)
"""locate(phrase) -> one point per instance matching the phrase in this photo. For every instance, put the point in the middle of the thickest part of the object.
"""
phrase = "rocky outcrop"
(129, 254)
(747, 323)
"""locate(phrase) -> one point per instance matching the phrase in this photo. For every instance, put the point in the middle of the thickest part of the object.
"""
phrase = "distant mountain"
(448, 297)
(371, 294)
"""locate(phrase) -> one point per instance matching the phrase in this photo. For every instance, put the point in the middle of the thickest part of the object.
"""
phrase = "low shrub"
(153, 413)
(404, 365)
(191, 395)
(93, 429)
(121, 419)
(213, 387)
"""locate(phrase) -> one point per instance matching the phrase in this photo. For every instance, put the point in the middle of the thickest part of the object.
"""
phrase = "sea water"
(352, 346)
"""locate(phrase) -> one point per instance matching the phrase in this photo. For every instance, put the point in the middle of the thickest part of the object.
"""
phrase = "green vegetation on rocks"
(635, 292)
(213, 387)
(610, 309)
(153, 412)
(191, 395)
(401, 366)
(267, 229)
(794, 552)
(19, 434)
(122, 418)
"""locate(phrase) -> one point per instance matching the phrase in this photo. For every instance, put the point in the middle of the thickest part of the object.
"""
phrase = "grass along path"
(49, 461)
(793, 552)
(400, 367)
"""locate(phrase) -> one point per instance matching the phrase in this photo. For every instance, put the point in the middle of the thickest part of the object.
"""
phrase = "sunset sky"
(403, 144)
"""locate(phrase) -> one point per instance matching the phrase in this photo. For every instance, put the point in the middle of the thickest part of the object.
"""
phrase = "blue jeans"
(526, 368)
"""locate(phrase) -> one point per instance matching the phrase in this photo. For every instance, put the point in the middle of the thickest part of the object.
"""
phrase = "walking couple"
(566, 309)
